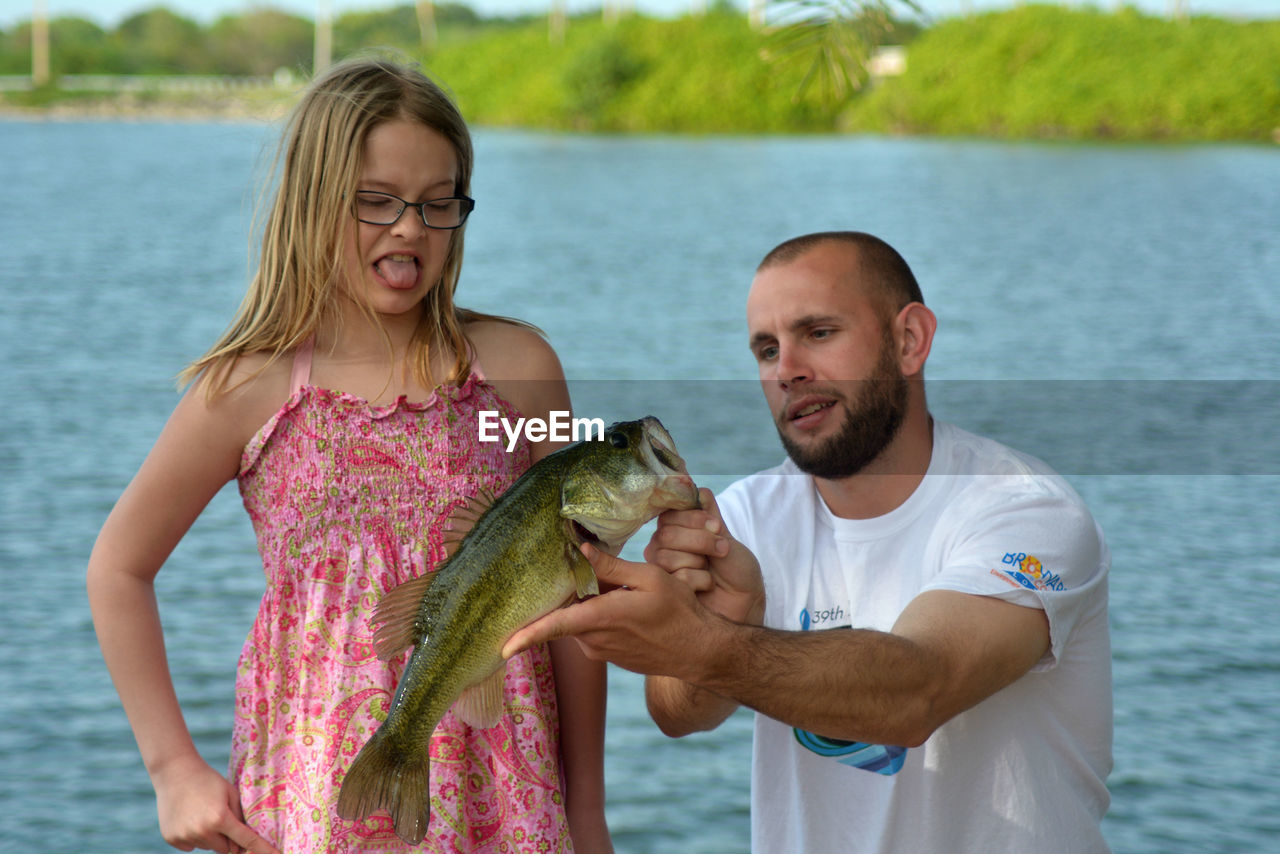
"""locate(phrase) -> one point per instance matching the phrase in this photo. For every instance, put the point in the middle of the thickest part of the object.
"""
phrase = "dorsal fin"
(397, 617)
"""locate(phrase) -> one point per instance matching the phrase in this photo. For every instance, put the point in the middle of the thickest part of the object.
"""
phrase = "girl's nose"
(410, 224)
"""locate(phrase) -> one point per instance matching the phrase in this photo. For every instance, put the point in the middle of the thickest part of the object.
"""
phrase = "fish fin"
(584, 577)
(399, 781)
(451, 540)
(480, 705)
(463, 518)
(397, 617)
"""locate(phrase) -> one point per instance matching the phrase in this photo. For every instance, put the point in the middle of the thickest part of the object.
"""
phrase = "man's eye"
(765, 354)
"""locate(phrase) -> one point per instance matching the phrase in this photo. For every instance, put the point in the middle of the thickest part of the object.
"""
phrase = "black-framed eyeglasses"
(377, 208)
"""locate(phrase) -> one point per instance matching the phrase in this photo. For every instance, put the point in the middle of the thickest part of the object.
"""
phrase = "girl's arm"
(580, 693)
(197, 452)
(526, 371)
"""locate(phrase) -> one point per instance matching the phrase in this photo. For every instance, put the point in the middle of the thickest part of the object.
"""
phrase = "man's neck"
(889, 479)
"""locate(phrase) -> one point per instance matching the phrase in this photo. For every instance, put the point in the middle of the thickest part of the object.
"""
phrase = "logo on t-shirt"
(877, 758)
(1028, 572)
(880, 758)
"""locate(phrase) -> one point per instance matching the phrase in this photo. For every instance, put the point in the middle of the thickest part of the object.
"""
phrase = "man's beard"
(870, 423)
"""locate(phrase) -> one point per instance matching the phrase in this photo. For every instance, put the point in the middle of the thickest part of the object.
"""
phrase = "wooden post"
(324, 39)
(40, 45)
(556, 22)
(427, 24)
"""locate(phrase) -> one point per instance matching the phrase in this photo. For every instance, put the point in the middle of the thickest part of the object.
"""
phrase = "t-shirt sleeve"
(1036, 547)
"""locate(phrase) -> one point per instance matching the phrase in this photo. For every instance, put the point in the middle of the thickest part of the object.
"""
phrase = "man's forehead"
(804, 289)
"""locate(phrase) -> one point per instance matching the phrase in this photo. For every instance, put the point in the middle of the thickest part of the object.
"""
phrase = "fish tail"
(399, 781)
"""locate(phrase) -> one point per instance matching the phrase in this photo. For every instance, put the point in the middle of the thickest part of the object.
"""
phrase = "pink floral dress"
(349, 500)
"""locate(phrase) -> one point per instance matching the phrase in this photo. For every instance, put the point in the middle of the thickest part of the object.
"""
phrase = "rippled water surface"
(1094, 304)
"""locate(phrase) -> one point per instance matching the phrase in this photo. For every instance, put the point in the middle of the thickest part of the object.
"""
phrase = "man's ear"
(913, 330)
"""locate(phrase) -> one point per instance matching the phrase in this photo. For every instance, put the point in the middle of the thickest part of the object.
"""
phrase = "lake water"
(1114, 309)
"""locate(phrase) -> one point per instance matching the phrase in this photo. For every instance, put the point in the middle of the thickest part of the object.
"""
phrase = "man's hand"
(648, 623)
(696, 547)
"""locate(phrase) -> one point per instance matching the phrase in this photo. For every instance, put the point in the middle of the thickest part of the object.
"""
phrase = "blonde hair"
(297, 283)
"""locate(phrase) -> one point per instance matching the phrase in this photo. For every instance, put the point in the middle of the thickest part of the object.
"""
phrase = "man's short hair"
(879, 262)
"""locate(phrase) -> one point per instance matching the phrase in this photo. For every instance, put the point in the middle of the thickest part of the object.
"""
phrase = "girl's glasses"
(385, 209)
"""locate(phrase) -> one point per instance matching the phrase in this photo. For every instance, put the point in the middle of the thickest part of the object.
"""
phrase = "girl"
(344, 399)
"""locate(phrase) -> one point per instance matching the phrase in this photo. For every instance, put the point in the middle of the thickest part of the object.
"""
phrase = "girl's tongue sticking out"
(400, 271)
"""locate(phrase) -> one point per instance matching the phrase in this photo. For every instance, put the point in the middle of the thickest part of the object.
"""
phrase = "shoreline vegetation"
(1031, 72)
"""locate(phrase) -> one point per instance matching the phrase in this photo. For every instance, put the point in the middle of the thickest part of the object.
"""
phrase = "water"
(1094, 303)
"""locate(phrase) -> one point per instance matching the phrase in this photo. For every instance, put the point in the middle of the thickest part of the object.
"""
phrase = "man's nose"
(791, 366)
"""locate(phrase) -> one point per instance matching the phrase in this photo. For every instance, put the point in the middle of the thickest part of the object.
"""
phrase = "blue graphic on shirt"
(877, 758)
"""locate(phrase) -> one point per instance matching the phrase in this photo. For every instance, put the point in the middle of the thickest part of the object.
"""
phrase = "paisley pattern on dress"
(349, 500)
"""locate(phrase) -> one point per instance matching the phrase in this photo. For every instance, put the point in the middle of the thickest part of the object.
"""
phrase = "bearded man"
(917, 615)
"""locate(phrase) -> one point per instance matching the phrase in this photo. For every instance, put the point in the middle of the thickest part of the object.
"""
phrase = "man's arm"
(697, 547)
(947, 652)
(680, 708)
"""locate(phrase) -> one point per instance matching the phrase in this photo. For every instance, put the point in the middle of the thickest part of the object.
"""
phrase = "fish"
(520, 560)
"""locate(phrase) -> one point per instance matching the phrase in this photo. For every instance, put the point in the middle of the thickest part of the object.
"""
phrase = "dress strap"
(302, 364)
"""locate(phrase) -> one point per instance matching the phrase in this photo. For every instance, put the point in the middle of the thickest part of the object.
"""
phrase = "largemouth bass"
(519, 561)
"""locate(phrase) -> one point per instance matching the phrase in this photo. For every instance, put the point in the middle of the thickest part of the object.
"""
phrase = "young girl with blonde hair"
(344, 398)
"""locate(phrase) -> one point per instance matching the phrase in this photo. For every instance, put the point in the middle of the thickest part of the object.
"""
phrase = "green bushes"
(1044, 72)
(694, 74)
(1051, 72)
(1028, 72)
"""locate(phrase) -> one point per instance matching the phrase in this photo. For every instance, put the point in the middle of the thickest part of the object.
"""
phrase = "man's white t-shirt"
(1022, 771)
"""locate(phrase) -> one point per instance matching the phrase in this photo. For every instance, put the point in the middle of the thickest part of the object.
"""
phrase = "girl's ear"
(913, 331)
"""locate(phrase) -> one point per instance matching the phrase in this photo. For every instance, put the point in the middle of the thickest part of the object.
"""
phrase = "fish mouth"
(663, 446)
(582, 534)
(675, 488)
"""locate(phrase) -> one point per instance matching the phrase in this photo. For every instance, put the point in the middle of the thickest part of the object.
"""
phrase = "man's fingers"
(674, 560)
(551, 627)
(707, 540)
(707, 500)
(699, 580)
(583, 616)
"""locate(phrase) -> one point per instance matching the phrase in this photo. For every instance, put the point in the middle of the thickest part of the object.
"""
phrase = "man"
(924, 638)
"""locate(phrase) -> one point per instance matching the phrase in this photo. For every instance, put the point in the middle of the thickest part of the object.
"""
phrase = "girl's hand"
(199, 809)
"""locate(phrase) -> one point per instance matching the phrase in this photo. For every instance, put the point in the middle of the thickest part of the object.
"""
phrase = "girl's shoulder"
(248, 391)
(519, 363)
(509, 350)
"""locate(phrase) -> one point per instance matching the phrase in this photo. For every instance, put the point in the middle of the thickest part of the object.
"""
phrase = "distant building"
(887, 61)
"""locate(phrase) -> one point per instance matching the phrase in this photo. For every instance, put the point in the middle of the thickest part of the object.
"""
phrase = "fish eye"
(619, 439)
